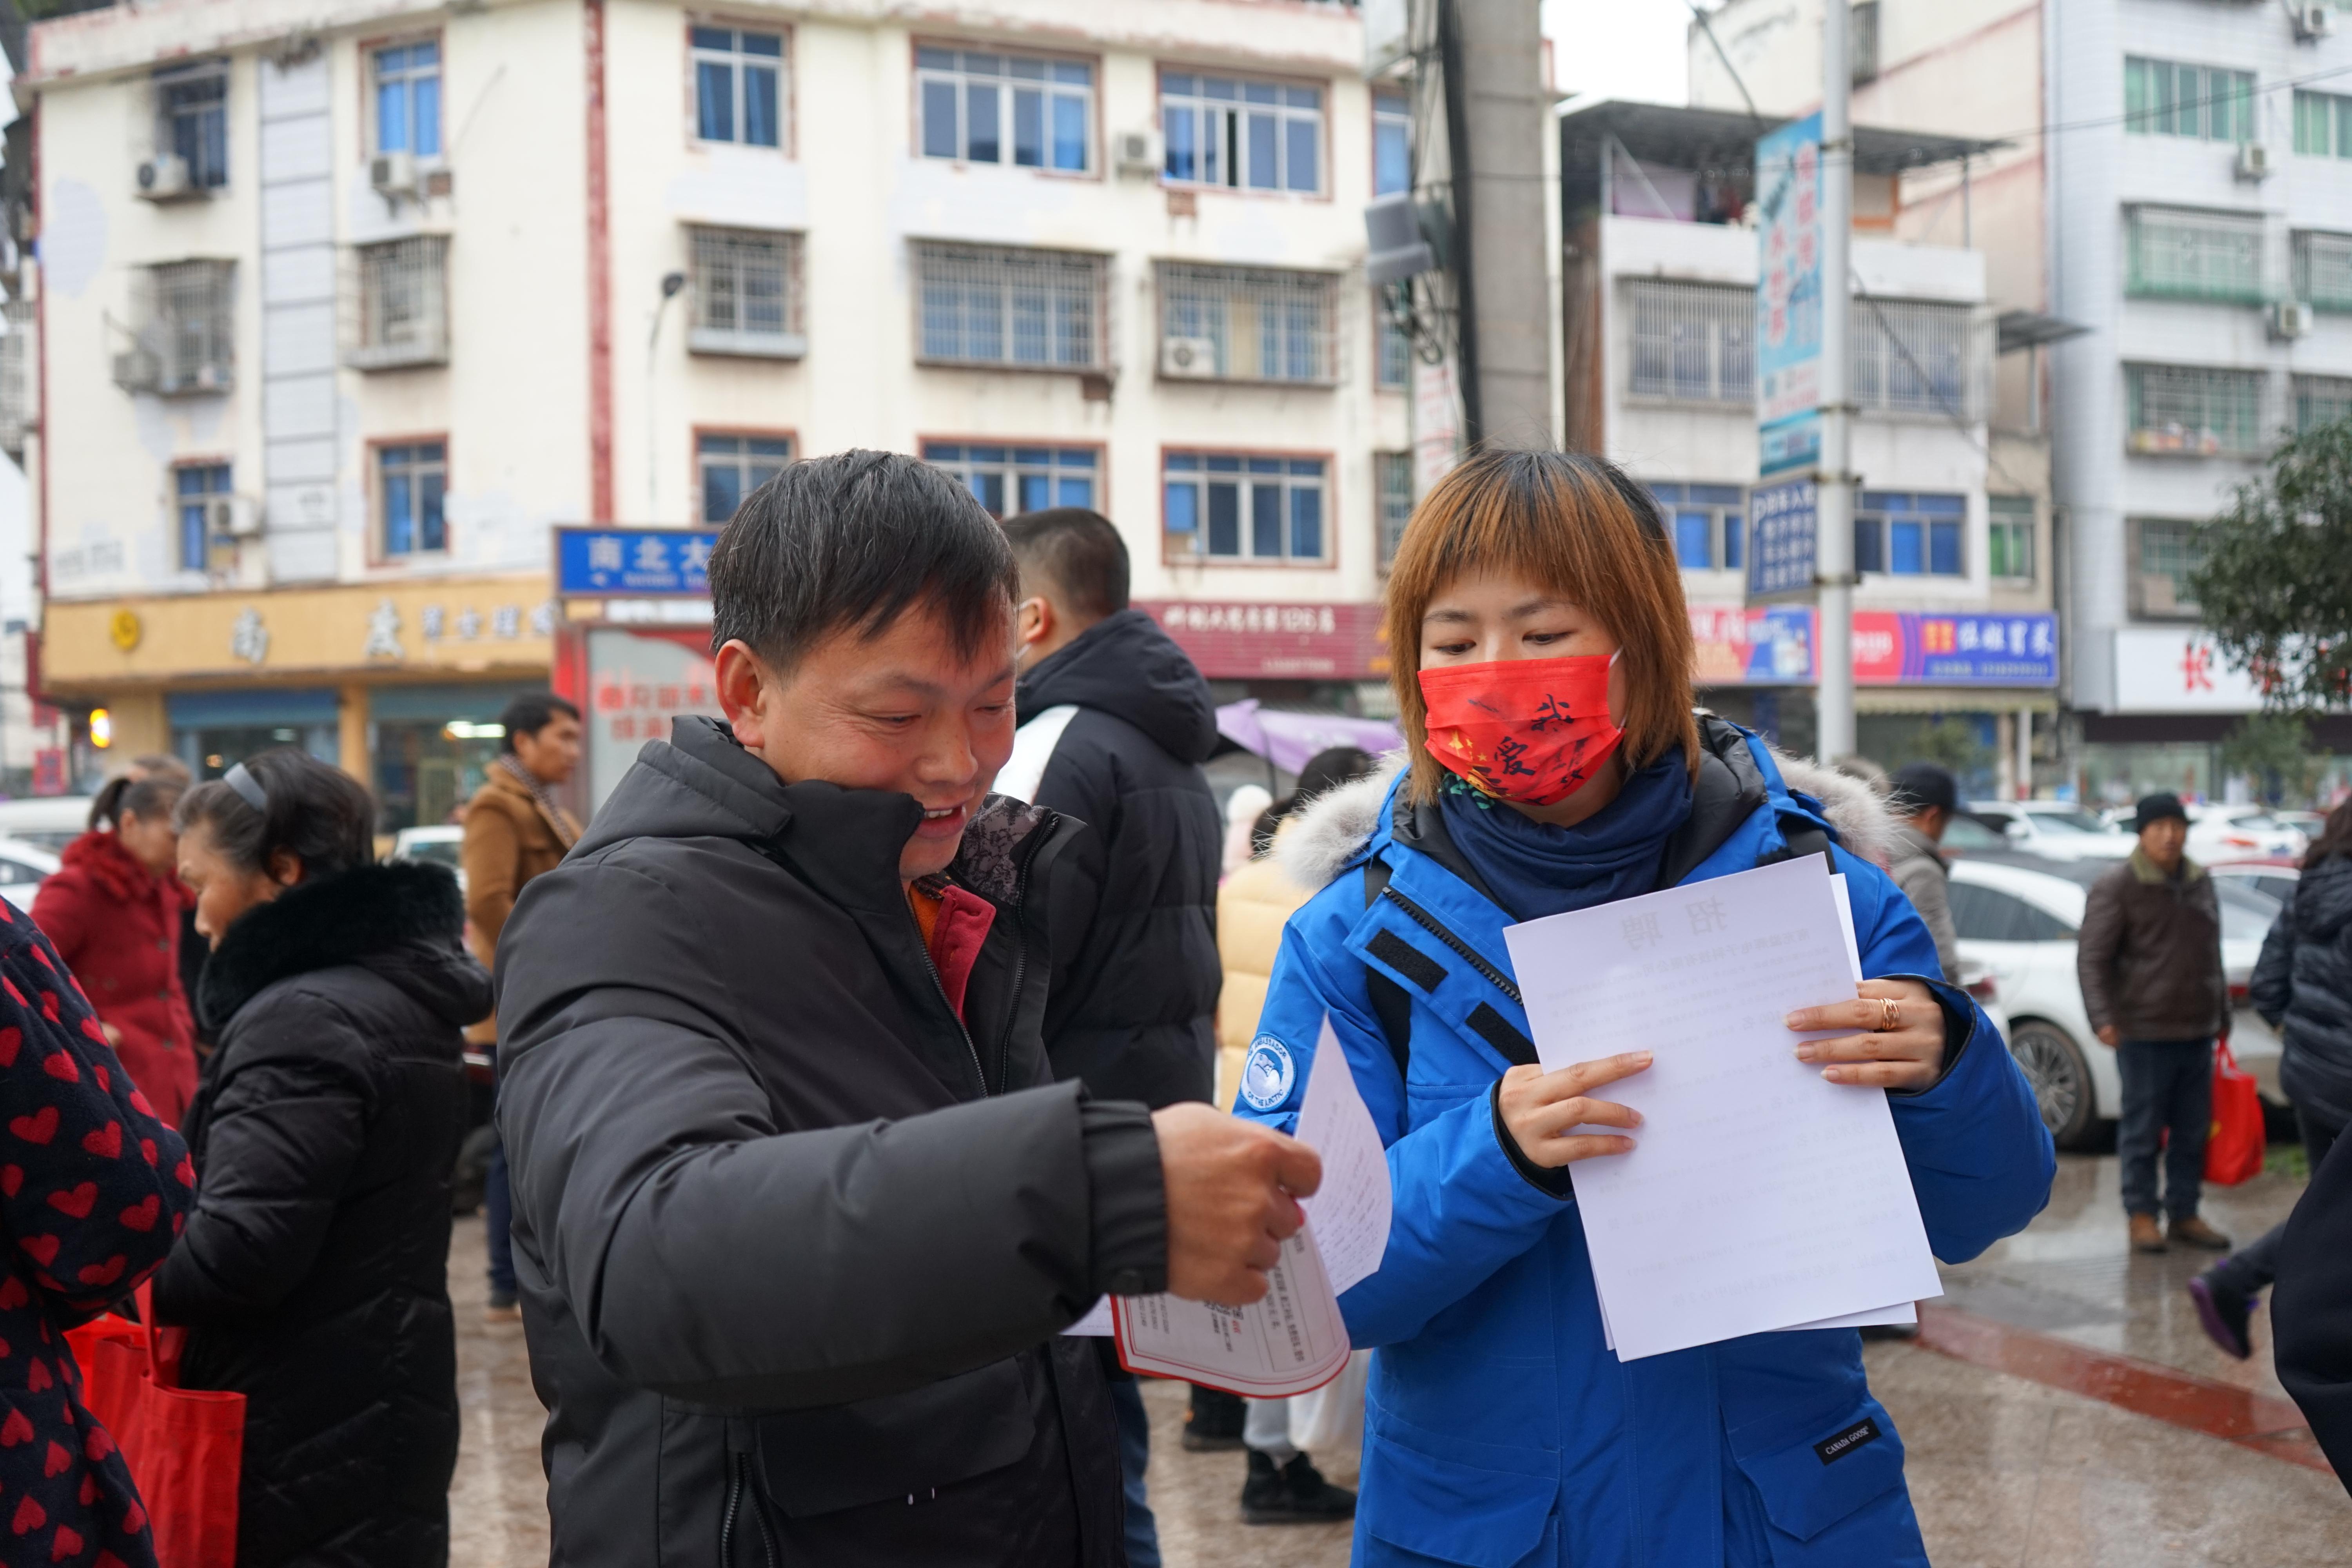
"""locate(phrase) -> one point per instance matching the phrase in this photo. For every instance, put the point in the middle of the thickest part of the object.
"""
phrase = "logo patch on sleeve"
(1268, 1074)
(1834, 1448)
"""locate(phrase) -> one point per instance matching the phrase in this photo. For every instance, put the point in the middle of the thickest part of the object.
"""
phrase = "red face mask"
(1530, 729)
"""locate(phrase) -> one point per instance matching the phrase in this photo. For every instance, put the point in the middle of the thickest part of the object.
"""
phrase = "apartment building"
(2176, 191)
(343, 311)
(1952, 624)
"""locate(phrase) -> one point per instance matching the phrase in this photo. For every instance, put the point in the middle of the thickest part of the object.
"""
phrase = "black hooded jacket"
(313, 1273)
(2303, 987)
(796, 1242)
(1121, 722)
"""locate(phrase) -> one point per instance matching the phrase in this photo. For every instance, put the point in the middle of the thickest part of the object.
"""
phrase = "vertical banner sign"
(1788, 302)
(1436, 423)
(1782, 531)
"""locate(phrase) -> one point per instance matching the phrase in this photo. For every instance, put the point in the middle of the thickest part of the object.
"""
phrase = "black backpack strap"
(1390, 1003)
(1802, 842)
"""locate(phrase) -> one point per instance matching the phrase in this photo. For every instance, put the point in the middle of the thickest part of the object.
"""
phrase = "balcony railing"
(2178, 253)
(2323, 270)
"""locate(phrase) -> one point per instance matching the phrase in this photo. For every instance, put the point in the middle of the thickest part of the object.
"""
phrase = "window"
(2195, 412)
(2323, 270)
(2178, 254)
(1392, 476)
(185, 338)
(195, 485)
(1233, 323)
(2321, 400)
(1222, 507)
(1987, 914)
(19, 407)
(1249, 135)
(970, 100)
(734, 466)
(1694, 342)
(2163, 554)
(1391, 143)
(1009, 481)
(408, 98)
(191, 120)
(2322, 124)
(747, 294)
(1706, 522)
(2161, 98)
(1040, 309)
(410, 481)
(1395, 346)
(738, 85)
(1909, 535)
(2009, 538)
(405, 318)
(1915, 356)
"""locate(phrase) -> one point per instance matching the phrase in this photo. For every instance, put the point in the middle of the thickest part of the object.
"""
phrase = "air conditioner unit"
(392, 174)
(1188, 359)
(1138, 153)
(2314, 22)
(2289, 319)
(164, 178)
(2253, 162)
(232, 517)
(136, 370)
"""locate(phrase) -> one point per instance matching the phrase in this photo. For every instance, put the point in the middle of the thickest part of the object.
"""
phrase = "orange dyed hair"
(1573, 526)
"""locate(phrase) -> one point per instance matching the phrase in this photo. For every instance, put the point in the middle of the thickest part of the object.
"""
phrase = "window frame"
(739, 342)
(786, 98)
(1883, 518)
(1381, 119)
(160, 332)
(2013, 525)
(2136, 555)
(698, 434)
(372, 352)
(1385, 332)
(2207, 227)
(2335, 108)
(1093, 142)
(2308, 388)
(379, 517)
(1384, 540)
(2139, 435)
(1245, 275)
(224, 466)
(160, 80)
(2300, 244)
(1326, 175)
(2160, 119)
(1102, 264)
(1727, 529)
(1099, 474)
(370, 105)
(1682, 301)
(1331, 558)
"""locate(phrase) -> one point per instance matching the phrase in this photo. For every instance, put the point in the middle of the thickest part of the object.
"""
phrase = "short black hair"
(319, 814)
(1916, 786)
(1078, 552)
(530, 713)
(852, 541)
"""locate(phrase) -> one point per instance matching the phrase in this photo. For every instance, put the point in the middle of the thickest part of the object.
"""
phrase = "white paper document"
(1759, 1196)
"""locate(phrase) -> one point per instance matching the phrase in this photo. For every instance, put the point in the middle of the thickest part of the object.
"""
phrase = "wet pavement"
(2061, 1409)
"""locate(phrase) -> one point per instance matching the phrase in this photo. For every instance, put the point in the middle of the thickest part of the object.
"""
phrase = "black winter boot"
(1295, 1493)
(1214, 1422)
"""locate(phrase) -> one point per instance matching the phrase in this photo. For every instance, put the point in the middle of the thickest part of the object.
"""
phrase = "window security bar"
(1694, 342)
(1041, 310)
(1233, 323)
(747, 294)
(2323, 270)
(2192, 411)
(403, 303)
(184, 335)
(2179, 254)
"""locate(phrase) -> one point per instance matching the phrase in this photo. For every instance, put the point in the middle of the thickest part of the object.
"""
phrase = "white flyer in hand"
(1293, 1340)
(1759, 1196)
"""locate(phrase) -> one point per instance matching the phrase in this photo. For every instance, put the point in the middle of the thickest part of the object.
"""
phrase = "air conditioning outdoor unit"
(1188, 359)
(2253, 162)
(2314, 22)
(136, 370)
(233, 517)
(164, 178)
(2289, 319)
(392, 174)
(1138, 153)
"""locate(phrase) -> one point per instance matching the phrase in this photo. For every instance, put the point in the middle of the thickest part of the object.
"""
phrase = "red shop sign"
(1275, 642)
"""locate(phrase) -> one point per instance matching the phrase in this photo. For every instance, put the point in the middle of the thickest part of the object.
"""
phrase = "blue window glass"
(408, 99)
(974, 103)
(1944, 549)
(980, 134)
(1279, 513)
(734, 466)
(1302, 138)
(193, 487)
(1735, 530)
(1036, 491)
(1177, 126)
(1225, 519)
(1905, 556)
(194, 103)
(738, 85)
(413, 478)
(1011, 480)
(1029, 129)
(1071, 491)
(1693, 539)
(1261, 93)
(714, 96)
(1265, 521)
(1264, 173)
(1069, 132)
(1869, 554)
(1306, 522)
(759, 127)
(1274, 143)
(939, 119)
(1183, 507)
(1183, 462)
(1391, 143)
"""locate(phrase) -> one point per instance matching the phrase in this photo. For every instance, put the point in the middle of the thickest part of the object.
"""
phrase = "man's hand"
(1233, 1190)
(1904, 1048)
(2110, 1035)
(1539, 1107)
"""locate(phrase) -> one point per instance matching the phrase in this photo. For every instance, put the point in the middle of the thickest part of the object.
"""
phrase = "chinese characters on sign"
(640, 562)
(1788, 301)
(1241, 642)
(1782, 521)
(249, 639)
(1775, 646)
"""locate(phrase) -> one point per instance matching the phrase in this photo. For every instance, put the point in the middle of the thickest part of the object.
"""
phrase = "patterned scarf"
(565, 834)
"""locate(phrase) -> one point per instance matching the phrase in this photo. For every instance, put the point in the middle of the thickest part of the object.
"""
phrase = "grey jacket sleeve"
(1922, 882)
(711, 1256)
(2095, 949)
(2273, 985)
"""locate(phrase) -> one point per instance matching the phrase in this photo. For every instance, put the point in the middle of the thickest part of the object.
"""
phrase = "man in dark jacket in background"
(799, 1212)
(2149, 960)
(1115, 724)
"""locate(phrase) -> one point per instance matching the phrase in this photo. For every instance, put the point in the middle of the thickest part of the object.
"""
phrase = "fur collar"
(1333, 828)
(101, 856)
(344, 918)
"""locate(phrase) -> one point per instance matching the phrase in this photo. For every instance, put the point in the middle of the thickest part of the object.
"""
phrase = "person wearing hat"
(1926, 798)
(2150, 957)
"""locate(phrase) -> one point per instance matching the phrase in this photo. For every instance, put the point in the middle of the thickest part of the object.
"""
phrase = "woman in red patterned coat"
(93, 1187)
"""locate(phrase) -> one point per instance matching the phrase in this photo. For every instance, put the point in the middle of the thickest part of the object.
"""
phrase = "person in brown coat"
(515, 831)
(2149, 958)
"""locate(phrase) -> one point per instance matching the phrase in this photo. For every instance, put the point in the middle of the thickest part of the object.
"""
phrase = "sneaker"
(2194, 1232)
(2221, 1307)
(2146, 1236)
(1294, 1493)
(503, 1309)
(1213, 1424)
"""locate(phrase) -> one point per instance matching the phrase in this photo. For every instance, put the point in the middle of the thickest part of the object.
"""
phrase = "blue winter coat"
(1499, 1429)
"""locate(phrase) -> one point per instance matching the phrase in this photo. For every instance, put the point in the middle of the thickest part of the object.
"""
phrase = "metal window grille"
(2321, 400)
(1915, 356)
(1395, 346)
(17, 413)
(2194, 411)
(1862, 35)
(183, 331)
(404, 304)
(1252, 136)
(981, 107)
(192, 119)
(747, 293)
(2165, 553)
(1694, 341)
(1033, 309)
(1235, 323)
(2178, 253)
(2323, 270)
(1392, 476)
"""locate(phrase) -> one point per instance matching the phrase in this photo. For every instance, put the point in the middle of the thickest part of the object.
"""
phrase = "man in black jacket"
(1115, 724)
(798, 1212)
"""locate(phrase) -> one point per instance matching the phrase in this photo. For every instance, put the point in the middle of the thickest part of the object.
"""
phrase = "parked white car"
(22, 868)
(440, 844)
(49, 822)
(2020, 923)
(2051, 829)
(2242, 832)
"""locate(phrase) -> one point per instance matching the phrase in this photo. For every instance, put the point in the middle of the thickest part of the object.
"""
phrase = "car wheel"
(2061, 1079)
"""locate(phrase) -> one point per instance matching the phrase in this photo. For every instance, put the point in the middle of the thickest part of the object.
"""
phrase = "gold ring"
(1890, 1016)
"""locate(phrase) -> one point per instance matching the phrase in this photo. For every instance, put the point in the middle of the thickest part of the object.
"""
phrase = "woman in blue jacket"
(1500, 1430)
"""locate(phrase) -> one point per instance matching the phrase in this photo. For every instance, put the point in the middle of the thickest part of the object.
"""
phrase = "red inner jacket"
(116, 925)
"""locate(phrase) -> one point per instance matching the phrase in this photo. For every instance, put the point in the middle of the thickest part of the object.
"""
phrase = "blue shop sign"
(1782, 521)
(635, 561)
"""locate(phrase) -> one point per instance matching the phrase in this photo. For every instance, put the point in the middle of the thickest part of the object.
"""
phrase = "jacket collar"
(352, 917)
(100, 855)
(2143, 870)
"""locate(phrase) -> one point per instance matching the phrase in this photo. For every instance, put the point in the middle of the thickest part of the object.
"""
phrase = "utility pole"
(1496, 117)
(1835, 517)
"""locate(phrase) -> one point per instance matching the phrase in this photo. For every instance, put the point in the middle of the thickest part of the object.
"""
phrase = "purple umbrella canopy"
(1288, 740)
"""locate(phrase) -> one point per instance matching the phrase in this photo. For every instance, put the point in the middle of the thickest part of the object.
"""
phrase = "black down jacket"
(794, 1239)
(1113, 729)
(313, 1273)
(2303, 987)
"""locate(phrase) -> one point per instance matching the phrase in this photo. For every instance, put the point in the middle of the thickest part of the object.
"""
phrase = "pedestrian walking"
(2303, 988)
(514, 831)
(2149, 959)
(800, 1210)
(2312, 1311)
(92, 1188)
(1499, 1427)
(312, 1275)
(1924, 799)
(113, 909)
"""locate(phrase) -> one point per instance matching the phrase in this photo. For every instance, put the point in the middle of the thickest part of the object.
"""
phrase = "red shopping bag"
(184, 1447)
(2235, 1145)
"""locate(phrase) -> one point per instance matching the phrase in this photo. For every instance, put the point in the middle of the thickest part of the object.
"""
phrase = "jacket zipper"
(1436, 928)
(940, 985)
(1020, 962)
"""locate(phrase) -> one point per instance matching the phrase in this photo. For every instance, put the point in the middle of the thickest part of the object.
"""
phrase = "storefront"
(2175, 701)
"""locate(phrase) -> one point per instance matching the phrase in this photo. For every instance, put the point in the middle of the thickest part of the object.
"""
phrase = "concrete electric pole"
(1833, 526)
(1497, 115)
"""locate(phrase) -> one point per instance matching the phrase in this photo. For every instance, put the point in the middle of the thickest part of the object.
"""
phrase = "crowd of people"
(866, 1038)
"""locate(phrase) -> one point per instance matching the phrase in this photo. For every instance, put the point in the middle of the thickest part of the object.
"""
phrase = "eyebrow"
(1516, 612)
(900, 682)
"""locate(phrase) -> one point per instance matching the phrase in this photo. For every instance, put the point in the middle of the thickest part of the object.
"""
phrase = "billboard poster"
(1777, 646)
(1753, 646)
(1789, 298)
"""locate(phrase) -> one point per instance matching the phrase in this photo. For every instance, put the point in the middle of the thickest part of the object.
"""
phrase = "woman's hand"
(1902, 1047)
(113, 1035)
(1540, 1106)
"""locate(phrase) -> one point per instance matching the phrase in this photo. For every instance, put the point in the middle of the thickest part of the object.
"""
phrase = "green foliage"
(2276, 582)
(2274, 749)
(1950, 743)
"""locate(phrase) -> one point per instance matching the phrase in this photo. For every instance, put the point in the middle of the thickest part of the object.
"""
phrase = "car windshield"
(2066, 820)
